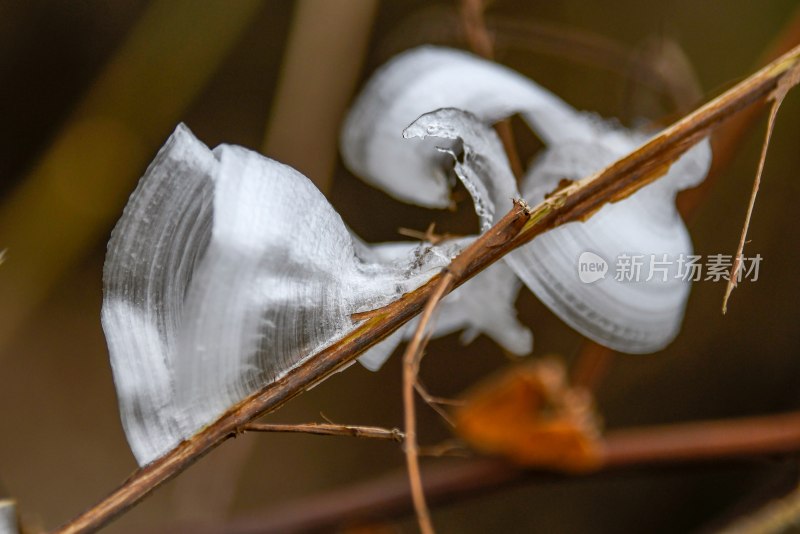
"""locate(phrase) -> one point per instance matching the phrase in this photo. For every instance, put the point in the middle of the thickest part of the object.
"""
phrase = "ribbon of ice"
(644, 234)
(227, 269)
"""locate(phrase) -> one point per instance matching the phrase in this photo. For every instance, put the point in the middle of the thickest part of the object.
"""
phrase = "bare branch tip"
(522, 205)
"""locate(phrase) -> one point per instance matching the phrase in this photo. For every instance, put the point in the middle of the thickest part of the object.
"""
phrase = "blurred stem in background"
(81, 182)
(325, 52)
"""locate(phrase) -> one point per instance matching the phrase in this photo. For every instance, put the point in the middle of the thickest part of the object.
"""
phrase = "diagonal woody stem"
(576, 202)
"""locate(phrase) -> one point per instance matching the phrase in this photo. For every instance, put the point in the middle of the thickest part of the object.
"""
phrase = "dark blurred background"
(90, 89)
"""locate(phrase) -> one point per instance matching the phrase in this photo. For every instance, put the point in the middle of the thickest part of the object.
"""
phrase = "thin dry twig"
(430, 398)
(787, 82)
(474, 24)
(329, 429)
(411, 361)
(428, 236)
(576, 202)
(510, 224)
(449, 447)
(434, 402)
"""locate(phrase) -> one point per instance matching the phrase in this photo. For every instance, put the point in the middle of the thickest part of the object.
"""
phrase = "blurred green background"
(90, 89)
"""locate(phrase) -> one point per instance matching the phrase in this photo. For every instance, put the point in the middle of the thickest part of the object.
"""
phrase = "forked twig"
(576, 202)
(428, 236)
(434, 402)
(449, 447)
(505, 230)
(411, 360)
(777, 96)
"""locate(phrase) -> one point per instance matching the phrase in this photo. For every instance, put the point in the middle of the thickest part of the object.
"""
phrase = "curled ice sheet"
(148, 269)
(225, 271)
(481, 165)
(428, 78)
(425, 79)
(636, 305)
(486, 303)
(637, 313)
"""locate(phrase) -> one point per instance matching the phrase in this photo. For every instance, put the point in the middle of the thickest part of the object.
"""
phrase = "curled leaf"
(529, 415)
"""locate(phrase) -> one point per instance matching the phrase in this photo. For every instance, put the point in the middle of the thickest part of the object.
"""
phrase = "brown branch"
(329, 429)
(448, 447)
(388, 496)
(429, 235)
(411, 361)
(575, 202)
(593, 359)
